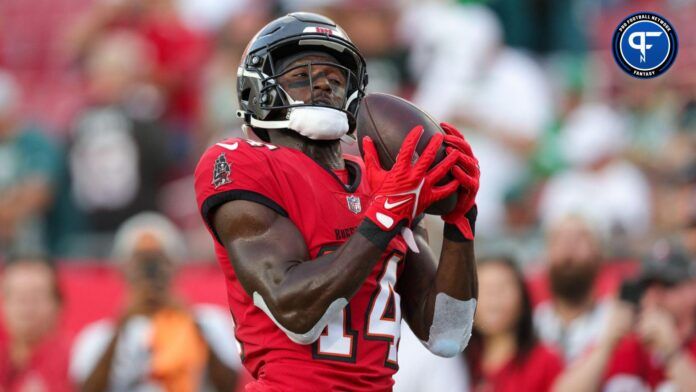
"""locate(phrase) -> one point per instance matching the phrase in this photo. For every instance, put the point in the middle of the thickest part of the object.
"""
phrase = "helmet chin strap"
(350, 138)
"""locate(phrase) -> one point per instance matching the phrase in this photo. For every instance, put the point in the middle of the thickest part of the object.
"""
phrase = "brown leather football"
(387, 119)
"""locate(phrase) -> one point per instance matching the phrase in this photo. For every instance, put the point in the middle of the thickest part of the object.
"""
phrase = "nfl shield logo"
(354, 204)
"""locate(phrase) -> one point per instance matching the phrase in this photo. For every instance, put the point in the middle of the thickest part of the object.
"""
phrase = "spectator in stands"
(504, 354)
(688, 237)
(28, 164)
(600, 184)
(179, 55)
(117, 158)
(372, 25)
(34, 357)
(659, 351)
(684, 191)
(521, 234)
(219, 86)
(497, 95)
(573, 318)
(157, 341)
(652, 114)
(662, 350)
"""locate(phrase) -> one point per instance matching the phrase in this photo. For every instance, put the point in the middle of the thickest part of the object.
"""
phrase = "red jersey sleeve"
(236, 169)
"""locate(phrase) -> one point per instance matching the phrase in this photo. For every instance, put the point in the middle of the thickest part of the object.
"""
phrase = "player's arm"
(270, 258)
(439, 299)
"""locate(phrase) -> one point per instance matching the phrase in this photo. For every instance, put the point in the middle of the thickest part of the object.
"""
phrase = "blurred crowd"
(587, 207)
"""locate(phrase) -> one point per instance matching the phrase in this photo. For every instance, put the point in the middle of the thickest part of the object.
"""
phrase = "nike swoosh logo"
(230, 147)
(389, 205)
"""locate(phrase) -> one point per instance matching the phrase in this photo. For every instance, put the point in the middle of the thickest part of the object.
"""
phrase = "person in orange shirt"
(157, 342)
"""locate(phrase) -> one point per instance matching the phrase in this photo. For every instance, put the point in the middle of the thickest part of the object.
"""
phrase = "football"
(387, 119)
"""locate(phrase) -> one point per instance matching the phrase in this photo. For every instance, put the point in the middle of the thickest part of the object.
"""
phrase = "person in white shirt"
(498, 96)
(599, 185)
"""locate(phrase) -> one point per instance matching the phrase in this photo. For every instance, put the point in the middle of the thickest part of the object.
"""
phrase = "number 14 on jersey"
(383, 322)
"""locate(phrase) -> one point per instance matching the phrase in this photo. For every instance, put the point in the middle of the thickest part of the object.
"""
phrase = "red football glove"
(467, 173)
(405, 191)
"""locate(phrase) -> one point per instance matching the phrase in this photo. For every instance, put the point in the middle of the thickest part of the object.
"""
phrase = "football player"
(319, 257)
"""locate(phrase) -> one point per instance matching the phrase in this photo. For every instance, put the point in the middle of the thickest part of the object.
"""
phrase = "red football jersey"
(633, 367)
(357, 351)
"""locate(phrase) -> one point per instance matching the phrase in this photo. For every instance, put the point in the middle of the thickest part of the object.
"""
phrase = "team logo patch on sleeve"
(354, 204)
(221, 172)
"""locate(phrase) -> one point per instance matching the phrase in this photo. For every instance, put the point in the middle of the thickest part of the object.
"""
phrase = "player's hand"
(405, 191)
(467, 173)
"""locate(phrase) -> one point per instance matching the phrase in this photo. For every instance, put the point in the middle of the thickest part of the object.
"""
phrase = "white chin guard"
(313, 122)
(318, 123)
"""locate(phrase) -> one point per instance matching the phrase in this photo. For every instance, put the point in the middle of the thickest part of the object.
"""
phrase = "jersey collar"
(354, 175)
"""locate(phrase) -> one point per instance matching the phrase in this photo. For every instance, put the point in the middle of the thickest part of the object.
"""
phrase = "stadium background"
(530, 82)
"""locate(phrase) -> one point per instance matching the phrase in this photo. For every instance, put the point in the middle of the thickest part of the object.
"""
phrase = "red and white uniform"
(358, 349)
(632, 367)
